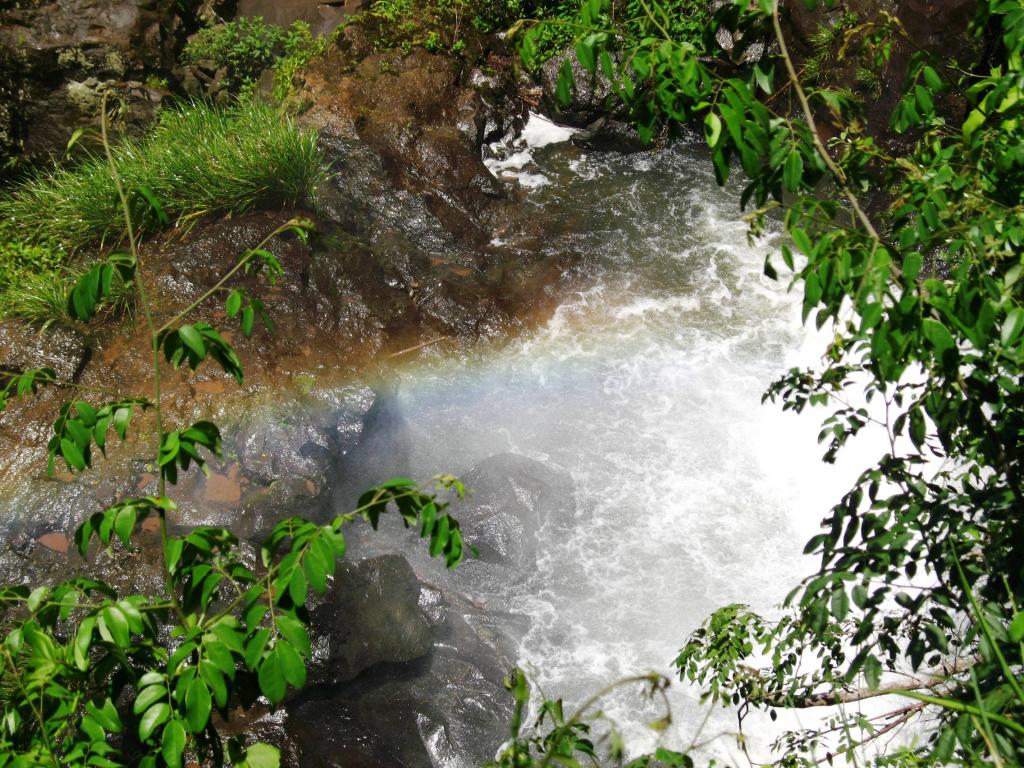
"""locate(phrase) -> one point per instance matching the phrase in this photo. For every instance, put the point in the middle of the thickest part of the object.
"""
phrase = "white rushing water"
(646, 387)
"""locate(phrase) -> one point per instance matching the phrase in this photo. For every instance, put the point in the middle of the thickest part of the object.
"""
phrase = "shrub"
(18, 256)
(919, 585)
(248, 46)
(245, 46)
(197, 160)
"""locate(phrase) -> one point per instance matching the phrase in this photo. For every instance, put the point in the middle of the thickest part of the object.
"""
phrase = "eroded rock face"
(426, 119)
(57, 59)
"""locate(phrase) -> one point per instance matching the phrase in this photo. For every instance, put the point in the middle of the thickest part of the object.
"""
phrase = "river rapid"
(645, 386)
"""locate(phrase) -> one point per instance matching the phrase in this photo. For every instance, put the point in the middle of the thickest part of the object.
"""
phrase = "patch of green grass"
(197, 160)
(41, 298)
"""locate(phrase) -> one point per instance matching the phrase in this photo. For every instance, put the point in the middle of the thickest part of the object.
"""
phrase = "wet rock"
(23, 347)
(382, 450)
(450, 715)
(371, 615)
(50, 560)
(513, 497)
(330, 735)
(424, 121)
(604, 135)
(260, 724)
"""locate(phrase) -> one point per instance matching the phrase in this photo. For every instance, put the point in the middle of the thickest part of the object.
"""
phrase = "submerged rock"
(512, 498)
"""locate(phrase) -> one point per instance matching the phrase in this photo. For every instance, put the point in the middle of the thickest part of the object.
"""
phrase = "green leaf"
(149, 696)
(292, 665)
(712, 129)
(173, 743)
(271, 677)
(564, 84)
(872, 672)
(261, 756)
(121, 418)
(153, 718)
(793, 170)
(937, 334)
(106, 715)
(1012, 326)
(1016, 630)
(255, 647)
(113, 618)
(291, 629)
(802, 241)
(198, 704)
(124, 524)
(585, 55)
(83, 641)
(233, 303)
(72, 454)
(297, 587)
(191, 338)
(248, 319)
(972, 123)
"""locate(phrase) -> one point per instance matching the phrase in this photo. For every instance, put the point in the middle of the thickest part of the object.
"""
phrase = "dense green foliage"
(196, 160)
(89, 676)
(248, 46)
(920, 577)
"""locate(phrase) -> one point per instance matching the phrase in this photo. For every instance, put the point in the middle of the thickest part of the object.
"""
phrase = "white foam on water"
(646, 387)
(510, 160)
(540, 131)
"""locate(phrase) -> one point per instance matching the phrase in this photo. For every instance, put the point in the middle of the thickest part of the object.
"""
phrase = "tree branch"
(927, 681)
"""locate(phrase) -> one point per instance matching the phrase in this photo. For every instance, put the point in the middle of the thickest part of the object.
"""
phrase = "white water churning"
(646, 387)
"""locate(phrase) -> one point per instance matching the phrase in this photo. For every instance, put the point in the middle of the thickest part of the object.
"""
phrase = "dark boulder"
(605, 135)
(449, 715)
(420, 669)
(371, 615)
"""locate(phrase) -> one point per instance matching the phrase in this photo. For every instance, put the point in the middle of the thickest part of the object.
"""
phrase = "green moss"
(197, 160)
